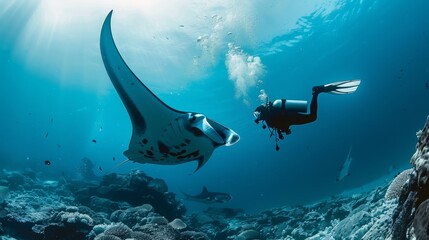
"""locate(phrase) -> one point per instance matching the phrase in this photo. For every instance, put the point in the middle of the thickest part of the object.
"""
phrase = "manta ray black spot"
(150, 153)
(181, 152)
(162, 147)
(192, 154)
(132, 84)
(183, 145)
(145, 141)
(187, 140)
(176, 147)
(141, 152)
(47, 162)
(149, 156)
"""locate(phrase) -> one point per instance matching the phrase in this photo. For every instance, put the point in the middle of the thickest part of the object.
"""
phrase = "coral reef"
(135, 189)
(394, 190)
(359, 216)
(139, 207)
(49, 209)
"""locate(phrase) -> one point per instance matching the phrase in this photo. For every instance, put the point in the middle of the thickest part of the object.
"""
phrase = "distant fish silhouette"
(345, 168)
(209, 197)
(47, 134)
(47, 162)
(94, 141)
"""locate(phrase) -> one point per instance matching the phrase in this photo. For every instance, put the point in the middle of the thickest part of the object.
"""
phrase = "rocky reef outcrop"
(407, 218)
(116, 191)
(116, 207)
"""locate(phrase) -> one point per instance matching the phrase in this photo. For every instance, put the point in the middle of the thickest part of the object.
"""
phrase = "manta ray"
(161, 134)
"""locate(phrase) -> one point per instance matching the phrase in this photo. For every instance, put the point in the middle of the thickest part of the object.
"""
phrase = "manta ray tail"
(118, 165)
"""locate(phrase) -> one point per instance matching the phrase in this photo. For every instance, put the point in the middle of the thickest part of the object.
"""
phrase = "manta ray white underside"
(161, 134)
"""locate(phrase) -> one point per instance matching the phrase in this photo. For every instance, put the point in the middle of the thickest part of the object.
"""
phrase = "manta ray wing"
(161, 134)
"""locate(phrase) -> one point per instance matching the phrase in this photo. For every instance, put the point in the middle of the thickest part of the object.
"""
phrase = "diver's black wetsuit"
(280, 119)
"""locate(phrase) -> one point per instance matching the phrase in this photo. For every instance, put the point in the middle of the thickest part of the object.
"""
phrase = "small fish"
(181, 25)
(47, 162)
(47, 134)
(94, 141)
(114, 158)
(52, 119)
(100, 168)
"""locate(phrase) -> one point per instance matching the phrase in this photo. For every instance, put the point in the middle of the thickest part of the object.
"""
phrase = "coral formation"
(135, 189)
(178, 224)
(78, 209)
(398, 182)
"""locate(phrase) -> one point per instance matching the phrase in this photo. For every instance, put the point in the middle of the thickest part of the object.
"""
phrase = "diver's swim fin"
(342, 87)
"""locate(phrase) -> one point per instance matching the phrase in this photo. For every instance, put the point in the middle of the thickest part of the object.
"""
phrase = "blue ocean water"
(56, 97)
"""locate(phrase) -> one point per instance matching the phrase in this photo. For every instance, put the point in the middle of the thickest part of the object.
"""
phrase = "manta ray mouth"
(216, 132)
(228, 136)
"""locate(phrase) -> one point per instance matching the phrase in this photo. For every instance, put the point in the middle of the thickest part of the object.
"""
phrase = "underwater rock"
(105, 205)
(131, 190)
(191, 235)
(138, 179)
(421, 221)
(416, 189)
(140, 236)
(158, 185)
(113, 179)
(420, 158)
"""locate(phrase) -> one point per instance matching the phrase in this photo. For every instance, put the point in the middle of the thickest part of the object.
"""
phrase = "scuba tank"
(290, 105)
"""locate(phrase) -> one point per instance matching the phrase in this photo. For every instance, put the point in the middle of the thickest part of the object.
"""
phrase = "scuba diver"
(280, 114)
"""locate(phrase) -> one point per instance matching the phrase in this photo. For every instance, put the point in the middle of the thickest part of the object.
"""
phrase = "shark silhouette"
(209, 197)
